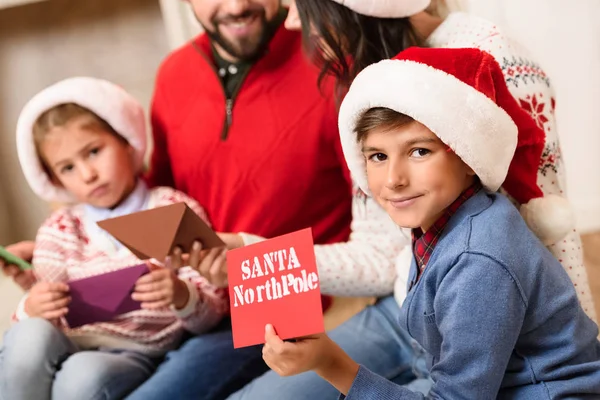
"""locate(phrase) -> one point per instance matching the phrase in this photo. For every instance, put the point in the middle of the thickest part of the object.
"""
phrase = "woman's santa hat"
(107, 100)
(386, 8)
(461, 96)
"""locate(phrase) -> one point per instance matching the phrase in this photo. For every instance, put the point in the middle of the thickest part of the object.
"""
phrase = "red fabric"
(281, 167)
(481, 71)
(424, 243)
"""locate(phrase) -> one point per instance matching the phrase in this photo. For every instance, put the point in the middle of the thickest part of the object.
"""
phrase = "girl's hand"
(48, 300)
(160, 288)
(210, 263)
(232, 240)
(311, 353)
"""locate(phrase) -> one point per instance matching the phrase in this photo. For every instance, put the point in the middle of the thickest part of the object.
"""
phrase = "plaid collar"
(424, 243)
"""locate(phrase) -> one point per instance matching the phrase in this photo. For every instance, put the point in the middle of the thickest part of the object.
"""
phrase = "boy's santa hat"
(386, 8)
(461, 96)
(105, 99)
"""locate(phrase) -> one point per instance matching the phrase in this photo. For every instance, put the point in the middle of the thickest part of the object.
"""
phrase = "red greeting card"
(275, 282)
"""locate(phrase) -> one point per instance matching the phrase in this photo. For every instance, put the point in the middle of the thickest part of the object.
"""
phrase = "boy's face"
(412, 175)
(92, 164)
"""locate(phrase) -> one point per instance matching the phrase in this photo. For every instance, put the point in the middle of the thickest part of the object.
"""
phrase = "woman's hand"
(23, 250)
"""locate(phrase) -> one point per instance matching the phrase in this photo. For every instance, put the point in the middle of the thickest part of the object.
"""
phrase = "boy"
(431, 135)
(82, 140)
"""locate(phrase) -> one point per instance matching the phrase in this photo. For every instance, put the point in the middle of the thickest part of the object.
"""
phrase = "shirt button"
(232, 69)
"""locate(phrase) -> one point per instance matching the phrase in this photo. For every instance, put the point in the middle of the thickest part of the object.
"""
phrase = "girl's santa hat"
(386, 8)
(461, 96)
(107, 100)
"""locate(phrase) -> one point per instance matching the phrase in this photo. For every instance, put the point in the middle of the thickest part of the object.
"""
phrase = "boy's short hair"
(61, 115)
(379, 118)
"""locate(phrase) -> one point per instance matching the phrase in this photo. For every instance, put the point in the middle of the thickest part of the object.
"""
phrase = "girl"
(83, 140)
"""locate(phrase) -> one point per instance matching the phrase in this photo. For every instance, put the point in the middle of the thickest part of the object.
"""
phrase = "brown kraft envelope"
(156, 232)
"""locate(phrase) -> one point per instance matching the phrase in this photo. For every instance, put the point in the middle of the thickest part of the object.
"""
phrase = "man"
(240, 125)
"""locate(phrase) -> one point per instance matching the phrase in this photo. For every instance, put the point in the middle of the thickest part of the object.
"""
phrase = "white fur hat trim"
(107, 100)
(386, 8)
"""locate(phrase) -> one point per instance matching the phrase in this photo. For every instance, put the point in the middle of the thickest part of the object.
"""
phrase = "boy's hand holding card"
(275, 282)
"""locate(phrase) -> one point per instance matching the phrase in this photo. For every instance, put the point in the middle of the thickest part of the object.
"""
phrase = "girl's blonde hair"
(60, 116)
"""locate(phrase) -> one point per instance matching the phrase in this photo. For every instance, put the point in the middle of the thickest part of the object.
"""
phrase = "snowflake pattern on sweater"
(530, 86)
(66, 251)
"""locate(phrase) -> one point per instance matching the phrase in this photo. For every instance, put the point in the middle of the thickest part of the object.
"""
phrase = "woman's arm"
(365, 265)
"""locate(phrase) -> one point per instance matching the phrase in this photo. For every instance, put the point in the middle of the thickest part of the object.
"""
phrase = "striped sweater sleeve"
(49, 257)
(54, 238)
(365, 265)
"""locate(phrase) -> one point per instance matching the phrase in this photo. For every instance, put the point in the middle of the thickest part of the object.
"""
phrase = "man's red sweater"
(273, 167)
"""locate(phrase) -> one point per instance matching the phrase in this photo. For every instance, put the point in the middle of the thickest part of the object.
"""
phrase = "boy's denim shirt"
(497, 314)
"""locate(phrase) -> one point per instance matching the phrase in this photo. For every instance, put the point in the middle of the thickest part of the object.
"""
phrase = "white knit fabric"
(528, 83)
(386, 8)
(107, 100)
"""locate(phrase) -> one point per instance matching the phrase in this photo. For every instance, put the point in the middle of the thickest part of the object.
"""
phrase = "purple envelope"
(101, 298)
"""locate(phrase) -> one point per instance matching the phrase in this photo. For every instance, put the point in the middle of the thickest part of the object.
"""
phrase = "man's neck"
(425, 23)
(224, 55)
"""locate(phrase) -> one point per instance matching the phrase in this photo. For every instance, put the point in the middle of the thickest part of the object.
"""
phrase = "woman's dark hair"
(355, 40)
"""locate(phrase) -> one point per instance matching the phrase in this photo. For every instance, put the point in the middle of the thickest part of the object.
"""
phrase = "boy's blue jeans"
(207, 366)
(38, 361)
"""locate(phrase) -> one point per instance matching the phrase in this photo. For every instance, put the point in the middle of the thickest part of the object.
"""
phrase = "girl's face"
(92, 164)
(412, 174)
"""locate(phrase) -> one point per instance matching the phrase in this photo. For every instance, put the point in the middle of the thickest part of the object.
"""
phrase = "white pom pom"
(550, 218)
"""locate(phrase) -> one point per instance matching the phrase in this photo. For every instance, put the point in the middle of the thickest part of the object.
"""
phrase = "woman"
(367, 31)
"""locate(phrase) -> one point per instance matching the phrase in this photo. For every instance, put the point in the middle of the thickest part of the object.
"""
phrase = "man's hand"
(48, 300)
(161, 288)
(210, 263)
(24, 279)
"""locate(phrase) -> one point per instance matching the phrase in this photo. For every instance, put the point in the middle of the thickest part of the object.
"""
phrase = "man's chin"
(245, 47)
(243, 53)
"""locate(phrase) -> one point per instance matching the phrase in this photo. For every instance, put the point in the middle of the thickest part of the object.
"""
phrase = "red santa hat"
(461, 96)
(386, 8)
(107, 100)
